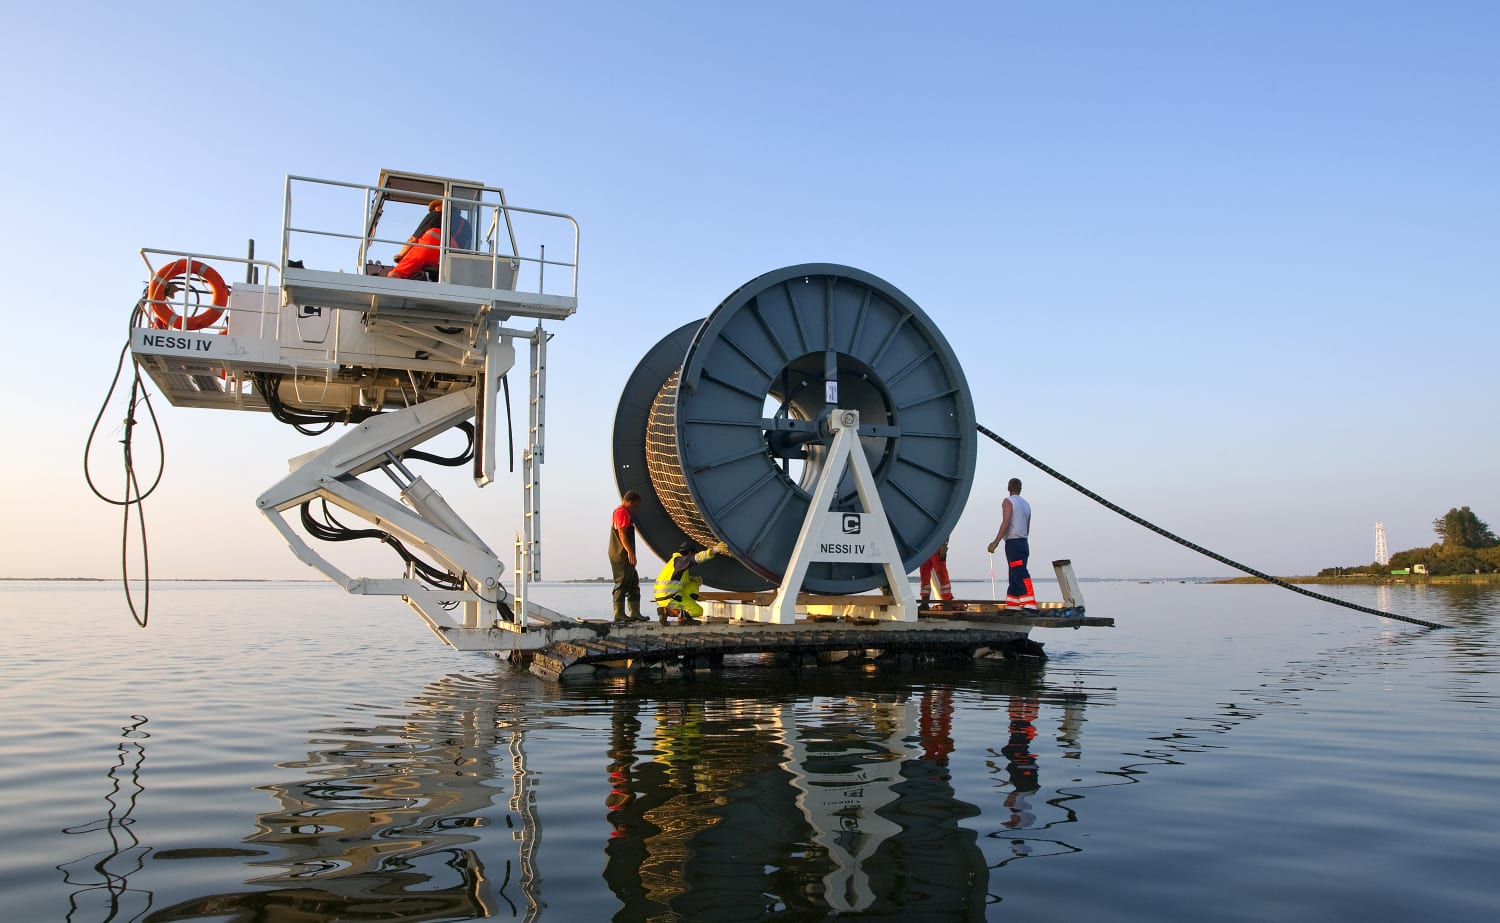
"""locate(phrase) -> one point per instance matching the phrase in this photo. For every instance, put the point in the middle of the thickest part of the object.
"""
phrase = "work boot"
(661, 615)
(686, 619)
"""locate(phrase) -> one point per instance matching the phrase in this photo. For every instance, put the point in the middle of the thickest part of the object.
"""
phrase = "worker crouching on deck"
(677, 586)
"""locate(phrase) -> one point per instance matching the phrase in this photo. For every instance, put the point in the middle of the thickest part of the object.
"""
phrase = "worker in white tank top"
(1020, 517)
(1015, 532)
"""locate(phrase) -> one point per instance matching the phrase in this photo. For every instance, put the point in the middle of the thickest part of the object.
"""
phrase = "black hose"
(446, 461)
(269, 386)
(301, 419)
(331, 530)
(1199, 548)
(510, 430)
(134, 497)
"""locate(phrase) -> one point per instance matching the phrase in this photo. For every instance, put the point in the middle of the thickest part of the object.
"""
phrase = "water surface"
(287, 752)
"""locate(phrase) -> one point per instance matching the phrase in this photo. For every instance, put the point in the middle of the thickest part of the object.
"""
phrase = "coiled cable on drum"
(664, 465)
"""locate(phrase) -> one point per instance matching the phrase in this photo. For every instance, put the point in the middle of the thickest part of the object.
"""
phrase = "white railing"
(323, 232)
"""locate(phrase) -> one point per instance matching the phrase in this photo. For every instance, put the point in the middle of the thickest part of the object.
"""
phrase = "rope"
(1199, 548)
(134, 497)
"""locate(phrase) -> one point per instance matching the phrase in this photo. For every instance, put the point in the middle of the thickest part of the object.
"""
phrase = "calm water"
(289, 753)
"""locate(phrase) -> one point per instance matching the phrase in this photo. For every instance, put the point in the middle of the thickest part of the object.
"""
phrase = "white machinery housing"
(323, 334)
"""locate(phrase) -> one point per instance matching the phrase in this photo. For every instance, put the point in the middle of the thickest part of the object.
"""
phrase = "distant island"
(1466, 547)
(1377, 579)
(1466, 551)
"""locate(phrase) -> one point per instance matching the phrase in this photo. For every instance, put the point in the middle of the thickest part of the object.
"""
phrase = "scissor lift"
(322, 335)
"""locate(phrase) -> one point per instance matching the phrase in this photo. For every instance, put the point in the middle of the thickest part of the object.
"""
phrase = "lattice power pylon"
(1382, 556)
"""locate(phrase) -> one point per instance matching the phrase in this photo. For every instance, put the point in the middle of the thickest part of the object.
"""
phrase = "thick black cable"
(1199, 548)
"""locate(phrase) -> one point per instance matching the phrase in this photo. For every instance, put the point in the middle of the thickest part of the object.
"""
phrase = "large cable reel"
(722, 428)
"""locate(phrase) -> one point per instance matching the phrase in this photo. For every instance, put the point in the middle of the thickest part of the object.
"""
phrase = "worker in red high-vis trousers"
(1015, 531)
(936, 566)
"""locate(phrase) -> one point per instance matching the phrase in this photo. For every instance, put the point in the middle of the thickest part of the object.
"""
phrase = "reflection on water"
(722, 801)
(390, 822)
(722, 798)
(100, 881)
(837, 803)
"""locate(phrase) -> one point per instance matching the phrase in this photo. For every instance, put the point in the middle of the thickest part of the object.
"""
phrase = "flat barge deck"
(961, 629)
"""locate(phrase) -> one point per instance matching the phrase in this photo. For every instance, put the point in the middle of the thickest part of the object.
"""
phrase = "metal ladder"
(529, 545)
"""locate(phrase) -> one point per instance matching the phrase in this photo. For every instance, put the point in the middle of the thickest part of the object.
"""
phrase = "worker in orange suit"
(936, 566)
(423, 250)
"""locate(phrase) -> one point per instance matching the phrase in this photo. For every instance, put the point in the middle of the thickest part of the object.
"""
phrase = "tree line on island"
(1465, 545)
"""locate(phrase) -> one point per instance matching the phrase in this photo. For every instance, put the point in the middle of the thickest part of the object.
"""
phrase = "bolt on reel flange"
(721, 428)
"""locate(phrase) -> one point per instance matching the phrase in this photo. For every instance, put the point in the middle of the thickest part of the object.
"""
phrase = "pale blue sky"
(1235, 266)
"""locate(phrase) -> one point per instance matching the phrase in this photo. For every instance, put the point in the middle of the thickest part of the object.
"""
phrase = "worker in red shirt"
(622, 560)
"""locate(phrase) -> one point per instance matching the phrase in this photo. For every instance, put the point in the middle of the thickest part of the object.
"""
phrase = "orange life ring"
(161, 307)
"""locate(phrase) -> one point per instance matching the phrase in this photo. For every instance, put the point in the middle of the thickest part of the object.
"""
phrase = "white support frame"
(426, 523)
(823, 538)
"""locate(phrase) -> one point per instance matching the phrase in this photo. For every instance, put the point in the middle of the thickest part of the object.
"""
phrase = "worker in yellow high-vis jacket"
(677, 586)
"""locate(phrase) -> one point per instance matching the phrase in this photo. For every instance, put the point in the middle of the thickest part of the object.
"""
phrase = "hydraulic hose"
(134, 496)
